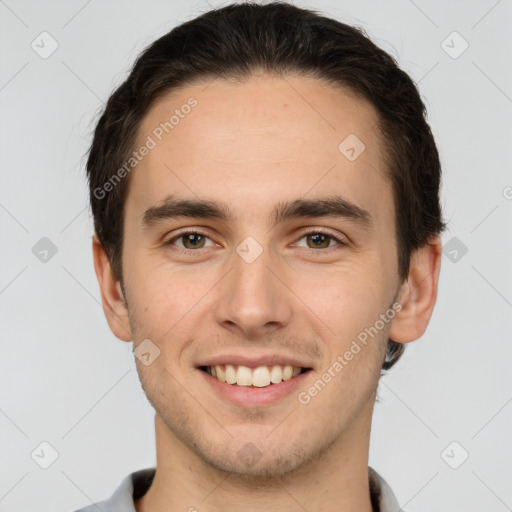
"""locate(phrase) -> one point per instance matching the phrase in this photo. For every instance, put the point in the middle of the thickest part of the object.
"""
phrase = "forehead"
(255, 140)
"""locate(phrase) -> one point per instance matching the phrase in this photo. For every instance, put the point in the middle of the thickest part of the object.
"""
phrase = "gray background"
(66, 380)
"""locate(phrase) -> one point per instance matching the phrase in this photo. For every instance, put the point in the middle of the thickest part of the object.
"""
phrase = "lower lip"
(250, 396)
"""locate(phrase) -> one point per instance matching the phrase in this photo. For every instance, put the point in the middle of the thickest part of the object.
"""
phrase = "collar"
(136, 484)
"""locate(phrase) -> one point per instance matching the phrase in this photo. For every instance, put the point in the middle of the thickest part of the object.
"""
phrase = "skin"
(253, 145)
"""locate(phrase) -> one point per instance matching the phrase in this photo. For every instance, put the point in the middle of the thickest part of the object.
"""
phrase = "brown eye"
(193, 240)
(318, 240)
(190, 240)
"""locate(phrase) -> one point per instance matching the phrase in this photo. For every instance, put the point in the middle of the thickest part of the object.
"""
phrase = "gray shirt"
(136, 484)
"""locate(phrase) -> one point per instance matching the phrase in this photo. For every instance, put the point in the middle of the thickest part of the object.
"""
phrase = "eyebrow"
(331, 206)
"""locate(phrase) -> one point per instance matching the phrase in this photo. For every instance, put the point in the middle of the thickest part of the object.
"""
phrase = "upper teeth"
(260, 377)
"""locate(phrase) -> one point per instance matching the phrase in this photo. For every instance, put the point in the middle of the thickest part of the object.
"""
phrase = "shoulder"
(122, 500)
(381, 492)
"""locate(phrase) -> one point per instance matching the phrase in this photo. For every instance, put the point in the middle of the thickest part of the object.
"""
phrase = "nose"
(253, 300)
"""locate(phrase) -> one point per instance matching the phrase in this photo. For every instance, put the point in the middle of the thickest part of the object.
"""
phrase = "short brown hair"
(233, 42)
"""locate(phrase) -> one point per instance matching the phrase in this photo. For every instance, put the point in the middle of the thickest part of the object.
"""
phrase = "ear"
(112, 296)
(418, 293)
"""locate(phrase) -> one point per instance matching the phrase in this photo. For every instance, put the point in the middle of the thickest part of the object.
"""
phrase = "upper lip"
(254, 361)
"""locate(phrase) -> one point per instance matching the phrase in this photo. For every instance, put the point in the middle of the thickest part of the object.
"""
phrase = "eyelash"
(339, 241)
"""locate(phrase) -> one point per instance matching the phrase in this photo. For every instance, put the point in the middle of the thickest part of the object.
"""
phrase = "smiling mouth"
(259, 377)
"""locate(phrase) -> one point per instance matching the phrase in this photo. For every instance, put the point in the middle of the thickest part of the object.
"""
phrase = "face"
(301, 262)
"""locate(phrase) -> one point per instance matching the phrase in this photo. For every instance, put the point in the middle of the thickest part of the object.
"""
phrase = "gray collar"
(136, 484)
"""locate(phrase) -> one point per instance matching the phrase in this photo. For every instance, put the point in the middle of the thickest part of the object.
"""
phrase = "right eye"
(191, 240)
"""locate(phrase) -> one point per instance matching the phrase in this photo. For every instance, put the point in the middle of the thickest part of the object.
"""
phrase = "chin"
(250, 464)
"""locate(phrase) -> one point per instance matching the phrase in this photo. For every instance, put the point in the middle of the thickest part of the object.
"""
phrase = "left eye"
(320, 240)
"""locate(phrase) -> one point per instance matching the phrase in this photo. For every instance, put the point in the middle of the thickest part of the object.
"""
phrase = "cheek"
(351, 307)
(348, 299)
(163, 298)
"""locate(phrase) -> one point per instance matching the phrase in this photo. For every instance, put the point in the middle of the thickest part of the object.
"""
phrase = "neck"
(335, 480)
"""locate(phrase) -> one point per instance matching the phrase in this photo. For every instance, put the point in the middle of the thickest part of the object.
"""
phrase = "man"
(265, 192)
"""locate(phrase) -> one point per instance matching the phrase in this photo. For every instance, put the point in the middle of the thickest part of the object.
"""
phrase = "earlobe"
(112, 296)
(418, 294)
